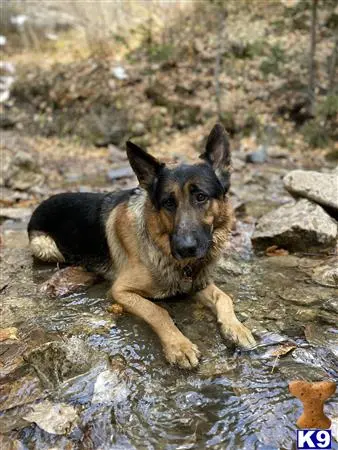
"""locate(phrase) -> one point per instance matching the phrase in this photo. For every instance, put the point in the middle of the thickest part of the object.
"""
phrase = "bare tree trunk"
(333, 64)
(220, 50)
(312, 63)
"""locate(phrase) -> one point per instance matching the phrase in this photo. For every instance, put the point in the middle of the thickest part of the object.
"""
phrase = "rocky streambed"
(77, 375)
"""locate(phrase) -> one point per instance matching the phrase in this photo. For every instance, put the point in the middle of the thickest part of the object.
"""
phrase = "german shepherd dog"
(158, 240)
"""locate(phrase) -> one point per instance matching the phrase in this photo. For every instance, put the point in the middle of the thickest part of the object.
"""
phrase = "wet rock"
(331, 305)
(15, 309)
(109, 388)
(298, 296)
(228, 267)
(319, 357)
(55, 418)
(268, 338)
(297, 226)
(15, 213)
(319, 335)
(12, 351)
(68, 281)
(216, 368)
(89, 324)
(326, 275)
(319, 187)
(56, 362)
(8, 443)
(327, 317)
(292, 369)
(121, 172)
(20, 392)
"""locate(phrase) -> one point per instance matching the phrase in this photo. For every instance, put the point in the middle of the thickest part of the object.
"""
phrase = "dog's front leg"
(177, 348)
(222, 306)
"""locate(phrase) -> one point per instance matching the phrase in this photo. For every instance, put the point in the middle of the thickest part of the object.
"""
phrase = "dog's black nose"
(185, 246)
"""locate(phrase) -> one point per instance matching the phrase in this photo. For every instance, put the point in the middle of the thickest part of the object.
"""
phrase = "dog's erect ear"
(145, 166)
(217, 150)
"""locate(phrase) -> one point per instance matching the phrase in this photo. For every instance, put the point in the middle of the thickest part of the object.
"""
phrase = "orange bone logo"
(313, 396)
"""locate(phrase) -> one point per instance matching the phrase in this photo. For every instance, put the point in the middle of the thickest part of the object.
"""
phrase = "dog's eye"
(169, 204)
(201, 198)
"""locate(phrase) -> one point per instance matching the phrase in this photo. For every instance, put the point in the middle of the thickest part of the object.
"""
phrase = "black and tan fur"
(158, 240)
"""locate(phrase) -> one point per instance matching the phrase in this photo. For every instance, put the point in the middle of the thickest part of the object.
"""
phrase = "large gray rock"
(21, 172)
(319, 187)
(297, 226)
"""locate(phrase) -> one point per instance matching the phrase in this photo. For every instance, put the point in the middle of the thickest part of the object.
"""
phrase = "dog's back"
(70, 228)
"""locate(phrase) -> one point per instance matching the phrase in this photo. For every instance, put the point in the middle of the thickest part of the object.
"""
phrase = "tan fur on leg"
(44, 247)
(222, 306)
(177, 348)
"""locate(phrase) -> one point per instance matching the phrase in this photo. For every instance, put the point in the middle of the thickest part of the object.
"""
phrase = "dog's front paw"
(182, 352)
(238, 333)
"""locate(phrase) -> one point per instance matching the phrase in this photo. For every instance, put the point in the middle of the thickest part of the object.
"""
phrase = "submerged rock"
(326, 274)
(297, 226)
(110, 388)
(319, 187)
(55, 418)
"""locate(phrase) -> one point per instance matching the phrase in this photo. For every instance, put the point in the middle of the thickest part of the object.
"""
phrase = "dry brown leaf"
(8, 333)
(283, 350)
(275, 251)
(67, 281)
(116, 309)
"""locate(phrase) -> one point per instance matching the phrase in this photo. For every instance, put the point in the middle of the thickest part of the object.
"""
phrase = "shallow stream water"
(78, 377)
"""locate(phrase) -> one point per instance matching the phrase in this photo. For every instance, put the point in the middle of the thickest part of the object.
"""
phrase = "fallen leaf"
(67, 281)
(8, 333)
(283, 350)
(116, 309)
(275, 251)
(55, 418)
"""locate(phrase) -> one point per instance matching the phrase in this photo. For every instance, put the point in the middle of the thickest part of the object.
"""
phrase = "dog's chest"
(170, 280)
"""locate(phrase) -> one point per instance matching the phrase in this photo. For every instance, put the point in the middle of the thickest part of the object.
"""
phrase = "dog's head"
(188, 201)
